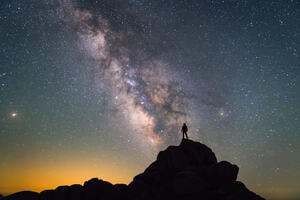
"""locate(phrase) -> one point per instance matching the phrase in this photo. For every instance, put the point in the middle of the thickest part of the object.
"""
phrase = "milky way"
(142, 87)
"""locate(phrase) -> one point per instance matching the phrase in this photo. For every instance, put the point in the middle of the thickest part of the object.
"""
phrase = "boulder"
(49, 195)
(187, 156)
(222, 172)
(73, 192)
(95, 189)
(25, 195)
(199, 155)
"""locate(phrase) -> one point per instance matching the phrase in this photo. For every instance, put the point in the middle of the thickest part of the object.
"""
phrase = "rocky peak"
(190, 171)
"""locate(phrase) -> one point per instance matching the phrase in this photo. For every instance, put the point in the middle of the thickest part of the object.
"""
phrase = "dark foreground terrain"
(186, 172)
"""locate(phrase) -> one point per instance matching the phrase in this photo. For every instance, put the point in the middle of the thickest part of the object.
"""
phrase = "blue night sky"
(98, 88)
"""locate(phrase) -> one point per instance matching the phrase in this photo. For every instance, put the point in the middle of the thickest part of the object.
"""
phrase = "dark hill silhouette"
(189, 171)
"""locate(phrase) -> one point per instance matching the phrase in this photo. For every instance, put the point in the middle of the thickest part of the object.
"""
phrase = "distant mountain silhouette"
(189, 171)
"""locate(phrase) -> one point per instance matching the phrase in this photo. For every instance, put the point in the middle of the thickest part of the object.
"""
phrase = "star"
(222, 113)
(13, 115)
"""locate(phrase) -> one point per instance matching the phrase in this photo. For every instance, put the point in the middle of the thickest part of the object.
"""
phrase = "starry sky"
(98, 88)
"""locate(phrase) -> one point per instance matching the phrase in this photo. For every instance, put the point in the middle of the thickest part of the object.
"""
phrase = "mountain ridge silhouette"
(188, 171)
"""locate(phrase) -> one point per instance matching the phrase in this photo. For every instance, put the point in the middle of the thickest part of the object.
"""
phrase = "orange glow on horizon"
(35, 176)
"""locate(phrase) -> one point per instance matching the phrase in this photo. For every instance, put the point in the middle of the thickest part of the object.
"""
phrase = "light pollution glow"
(38, 174)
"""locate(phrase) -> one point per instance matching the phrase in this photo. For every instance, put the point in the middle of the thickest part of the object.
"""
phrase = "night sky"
(98, 88)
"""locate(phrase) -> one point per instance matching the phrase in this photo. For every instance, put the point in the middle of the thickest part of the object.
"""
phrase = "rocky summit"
(189, 171)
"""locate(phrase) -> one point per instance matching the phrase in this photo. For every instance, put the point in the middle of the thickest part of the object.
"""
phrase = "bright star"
(14, 115)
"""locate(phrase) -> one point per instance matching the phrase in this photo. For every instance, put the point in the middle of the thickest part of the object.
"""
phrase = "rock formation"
(189, 171)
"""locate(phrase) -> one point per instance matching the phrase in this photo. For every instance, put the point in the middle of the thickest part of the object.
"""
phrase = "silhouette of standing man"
(184, 130)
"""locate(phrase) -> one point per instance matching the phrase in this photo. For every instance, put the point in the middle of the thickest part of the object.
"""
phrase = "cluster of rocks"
(94, 189)
(188, 171)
